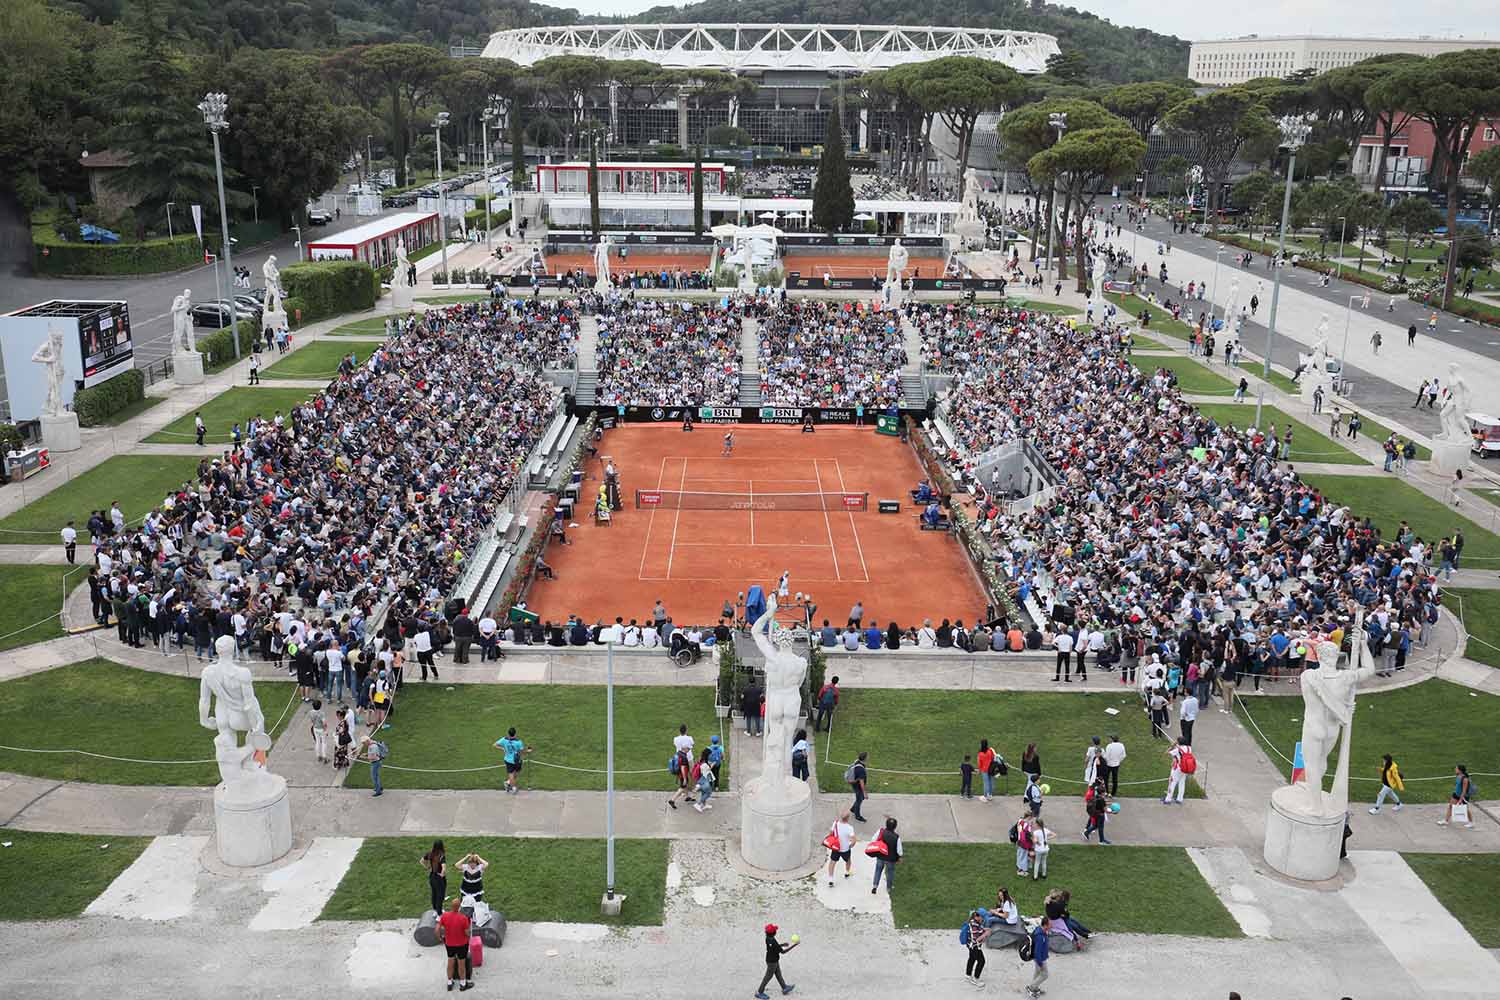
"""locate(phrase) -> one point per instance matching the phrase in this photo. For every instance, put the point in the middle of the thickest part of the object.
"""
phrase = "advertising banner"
(790, 415)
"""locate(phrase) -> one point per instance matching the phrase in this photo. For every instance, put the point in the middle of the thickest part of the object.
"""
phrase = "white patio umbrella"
(864, 217)
(767, 215)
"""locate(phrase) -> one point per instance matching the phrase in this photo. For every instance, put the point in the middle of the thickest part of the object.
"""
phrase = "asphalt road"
(150, 297)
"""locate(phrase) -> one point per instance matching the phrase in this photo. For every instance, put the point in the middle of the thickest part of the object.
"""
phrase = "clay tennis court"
(693, 559)
(842, 266)
(668, 262)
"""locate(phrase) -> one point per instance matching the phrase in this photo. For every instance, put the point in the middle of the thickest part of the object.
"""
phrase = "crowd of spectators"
(816, 353)
(654, 352)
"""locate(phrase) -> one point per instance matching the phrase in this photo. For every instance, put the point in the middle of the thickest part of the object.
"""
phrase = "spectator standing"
(1032, 796)
(435, 863)
(1187, 714)
(750, 699)
(471, 877)
(966, 778)
(374, 752)
(1111, 759)
(703, 780)
(1031, 762)
(1040, 848)
(1020, 835)
(70, 547)
(1096, 805)
(1178, 780)
(800, 750)
(463, 636)
(1063, 643)
(514, 750)
(198, 428)
(987, 769)
(885, 863)
(974, 934)
(828, 700)
(456, 931)
(318, 723)
(1039, 957)
(856, 614)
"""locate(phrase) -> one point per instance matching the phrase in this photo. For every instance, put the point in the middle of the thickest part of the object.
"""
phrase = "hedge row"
(475, 219)
(53, 255)
(217, 348)
(328, 287)
(98, 403)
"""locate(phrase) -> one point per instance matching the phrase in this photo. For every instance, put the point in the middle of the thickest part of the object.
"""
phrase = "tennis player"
(729, 442)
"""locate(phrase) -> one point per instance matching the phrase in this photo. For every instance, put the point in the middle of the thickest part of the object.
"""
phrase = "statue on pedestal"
(237, 711)
(746, 259)
(785, 670)
(403, 265)
(1328, 712)
(601, 264)
(895, 263)
(183, 336)
(50, 353)
(1455, 407)
(969, 210)
(272, 277)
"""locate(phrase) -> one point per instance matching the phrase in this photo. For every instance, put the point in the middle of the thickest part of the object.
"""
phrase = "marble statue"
(895, 264)
(746, 261)
(403, 265)
(227, 703)
(1455, 407)
(785, 670)
(601, 264)
(1101, 269)
(969, 210)
(272, 277)
(1317, 362)
(51, 355)
(184, 338)
(1231, 304)
(1328, 712)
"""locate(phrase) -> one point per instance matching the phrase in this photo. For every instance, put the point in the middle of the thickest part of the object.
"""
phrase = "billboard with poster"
(98, 344)
(104, 342)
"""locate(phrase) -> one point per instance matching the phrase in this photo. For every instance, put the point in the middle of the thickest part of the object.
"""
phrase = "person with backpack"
(800, 749)
(972, 936)
(886, 855)
(828, 700)
(1183, 764)
(1020, 835)
(1390, 785)
(1096, 805)
(1463, 791)
(1032, 796)
(715, 756)
(703, 780)
(990, 765)
(374, 752)
(1038, 956)
(856, 776)
(680, 766)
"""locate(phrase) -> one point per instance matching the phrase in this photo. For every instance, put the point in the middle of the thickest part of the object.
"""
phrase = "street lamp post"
(1338, 264)
(1294, 132)
(298, 244)
(1059, 121)
(437, 130)
(369, 159)
(169, 220)
(1213, 289)
(491, 112)
(255, 196)
(213, 107)
(1344, 354)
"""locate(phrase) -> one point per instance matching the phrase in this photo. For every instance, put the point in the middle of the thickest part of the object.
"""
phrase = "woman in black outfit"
(436, 863)
(1031, 761)
(472, 869)
(893, 636)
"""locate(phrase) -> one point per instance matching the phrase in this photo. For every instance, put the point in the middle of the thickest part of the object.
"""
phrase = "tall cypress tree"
(697, 190)
(517, 148)
(833, 195)
(594, 183)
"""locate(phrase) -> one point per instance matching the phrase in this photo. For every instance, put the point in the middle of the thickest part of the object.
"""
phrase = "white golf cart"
(1486, 431)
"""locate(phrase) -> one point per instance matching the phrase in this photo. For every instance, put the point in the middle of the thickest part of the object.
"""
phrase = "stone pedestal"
(401, 293)
(273, 320)
(776, 824)
(187, 368)
(60, 432)
(1450, 456)
(253, 826)
(891, 294)
(1300, 844)
(602, 286)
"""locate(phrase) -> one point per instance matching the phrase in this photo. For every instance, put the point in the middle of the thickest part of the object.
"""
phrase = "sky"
(1185, 18)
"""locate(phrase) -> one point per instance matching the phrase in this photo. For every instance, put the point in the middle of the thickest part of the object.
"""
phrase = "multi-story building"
(1234, 60)
(1410, 159)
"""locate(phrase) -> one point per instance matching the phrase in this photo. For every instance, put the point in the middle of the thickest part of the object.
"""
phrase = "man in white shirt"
(682, 742)
(241, 628)
(1063, 643)
(1113, 757)
(117, 517)
(650, 638)
(487, 629)
(632, 634)
(70, 542)
(613, 633)
(1185, 716)
(421, 643)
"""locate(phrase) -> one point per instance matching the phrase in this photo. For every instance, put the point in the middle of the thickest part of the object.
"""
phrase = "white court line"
(758, 545)
(661, 474)
(852, 527)
(677, 517)
(828, 525)
(752, 512)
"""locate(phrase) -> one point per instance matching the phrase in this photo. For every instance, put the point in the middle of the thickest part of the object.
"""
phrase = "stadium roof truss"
(740, 48)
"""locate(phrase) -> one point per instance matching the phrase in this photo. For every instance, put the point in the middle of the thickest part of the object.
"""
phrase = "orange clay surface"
(669, 262)
(838, 266)
(694, 559)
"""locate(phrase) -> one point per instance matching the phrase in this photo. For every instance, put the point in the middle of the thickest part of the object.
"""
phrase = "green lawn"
(1192, 378)
(1377, 431)
(529, 878)
(1480, 610)
(133, 410)
(448, 300)
(1123, 890)
(1280, 381)
(1465, 885)
(372, 327)
(1389, 501)
(1307, 444)
(220, 414)
(1427, 728)
(907, 730)
(441, 726)
(105, 708)
(1161, 320)
(1142, 343)
(30, 597)
(49, 876)
(139, 482)
(1043, 306)
(320, 359)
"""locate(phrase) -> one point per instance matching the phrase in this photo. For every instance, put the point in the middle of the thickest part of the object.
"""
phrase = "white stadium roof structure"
(742, 48)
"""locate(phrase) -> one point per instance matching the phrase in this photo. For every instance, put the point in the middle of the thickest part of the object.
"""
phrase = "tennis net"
(703, 500)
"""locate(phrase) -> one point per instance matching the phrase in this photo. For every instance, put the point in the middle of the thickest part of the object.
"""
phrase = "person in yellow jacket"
(1390, 784)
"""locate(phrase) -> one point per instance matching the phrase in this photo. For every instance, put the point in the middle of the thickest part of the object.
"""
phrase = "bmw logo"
(658, 414)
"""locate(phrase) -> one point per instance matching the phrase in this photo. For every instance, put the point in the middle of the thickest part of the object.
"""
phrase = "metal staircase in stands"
(586, 389)
(750, 388)
(913, 390)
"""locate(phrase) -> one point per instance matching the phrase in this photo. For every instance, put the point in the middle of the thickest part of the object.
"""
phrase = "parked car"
(214, 314)
(248, 305)
(318, 217)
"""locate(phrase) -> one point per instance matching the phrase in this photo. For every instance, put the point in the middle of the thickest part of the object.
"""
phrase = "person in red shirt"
(456, 940)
